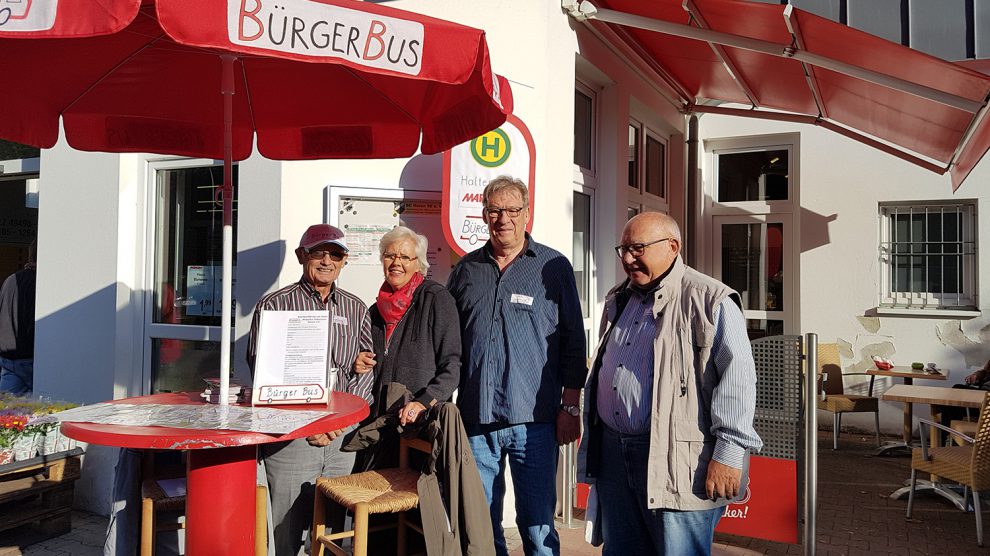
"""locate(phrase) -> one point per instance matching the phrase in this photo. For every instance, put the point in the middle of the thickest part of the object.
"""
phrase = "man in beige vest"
(671, 399)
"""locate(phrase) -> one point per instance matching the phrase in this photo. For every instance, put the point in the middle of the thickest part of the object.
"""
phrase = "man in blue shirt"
(523, 363)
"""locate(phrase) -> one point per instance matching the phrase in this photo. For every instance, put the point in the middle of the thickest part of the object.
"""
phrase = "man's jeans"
(628, 527)
(532, 452)
(17, 376)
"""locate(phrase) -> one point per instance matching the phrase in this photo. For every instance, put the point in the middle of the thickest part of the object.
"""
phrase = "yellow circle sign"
(491, 149)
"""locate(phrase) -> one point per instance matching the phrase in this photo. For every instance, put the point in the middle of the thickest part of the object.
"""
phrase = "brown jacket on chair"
(450, 490)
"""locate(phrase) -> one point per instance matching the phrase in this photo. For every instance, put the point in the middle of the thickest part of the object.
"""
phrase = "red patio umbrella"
(312, 79)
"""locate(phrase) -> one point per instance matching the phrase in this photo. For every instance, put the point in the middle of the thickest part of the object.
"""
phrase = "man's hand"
(568, 428)
(365, 362)
(722, 481)
(318, 440)
(410, 412)
(324, 440)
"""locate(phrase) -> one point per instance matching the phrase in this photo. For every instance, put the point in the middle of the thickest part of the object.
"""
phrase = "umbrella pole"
(228, 228)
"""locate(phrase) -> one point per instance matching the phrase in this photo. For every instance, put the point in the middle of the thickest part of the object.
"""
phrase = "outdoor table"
(221, 469)
(908, 374)
(935, 396)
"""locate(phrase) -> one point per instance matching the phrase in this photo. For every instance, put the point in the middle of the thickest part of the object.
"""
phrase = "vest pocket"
(691, 454)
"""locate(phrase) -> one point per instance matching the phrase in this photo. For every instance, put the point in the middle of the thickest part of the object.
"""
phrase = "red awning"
(789, 64)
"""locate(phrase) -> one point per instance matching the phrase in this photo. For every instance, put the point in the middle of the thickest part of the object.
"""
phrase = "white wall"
(842, 181)
(85, 333)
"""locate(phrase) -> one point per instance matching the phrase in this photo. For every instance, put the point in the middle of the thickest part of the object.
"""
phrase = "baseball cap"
(322, 233)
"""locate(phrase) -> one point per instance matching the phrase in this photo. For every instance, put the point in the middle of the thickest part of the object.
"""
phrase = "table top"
(344, 410)
(935, 395)
(907, 372)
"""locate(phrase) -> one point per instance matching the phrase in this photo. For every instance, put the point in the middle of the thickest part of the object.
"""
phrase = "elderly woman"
(416, 335)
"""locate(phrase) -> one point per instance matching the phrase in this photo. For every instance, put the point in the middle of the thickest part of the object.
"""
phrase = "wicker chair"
(832, 392)
(383, 491)
(154, 500)
(967, 465)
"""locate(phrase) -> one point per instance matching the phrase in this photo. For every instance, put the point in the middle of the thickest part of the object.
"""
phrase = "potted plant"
(12, 425)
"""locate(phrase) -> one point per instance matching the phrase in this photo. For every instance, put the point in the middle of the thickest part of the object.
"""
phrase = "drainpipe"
(692, 201)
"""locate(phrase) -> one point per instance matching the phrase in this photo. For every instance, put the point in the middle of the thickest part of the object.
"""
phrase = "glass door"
(754, 256)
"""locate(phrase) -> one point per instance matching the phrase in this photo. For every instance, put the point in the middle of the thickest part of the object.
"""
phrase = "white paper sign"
(27, 15)
(323, 30)
(292, 354)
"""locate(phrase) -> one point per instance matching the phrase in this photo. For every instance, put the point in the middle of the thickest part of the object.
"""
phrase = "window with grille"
(928, 255)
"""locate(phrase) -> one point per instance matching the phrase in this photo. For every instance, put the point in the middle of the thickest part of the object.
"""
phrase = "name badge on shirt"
(520, 298)
(340, 319)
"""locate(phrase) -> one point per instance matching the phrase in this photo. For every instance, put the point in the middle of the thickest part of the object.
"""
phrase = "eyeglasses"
(335, 256)
(636, 249)
(496, 213)
(403, 259)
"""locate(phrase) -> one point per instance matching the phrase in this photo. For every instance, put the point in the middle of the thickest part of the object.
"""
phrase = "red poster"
(770, 509)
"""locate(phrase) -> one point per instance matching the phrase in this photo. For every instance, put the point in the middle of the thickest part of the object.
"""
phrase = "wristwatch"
(571, 410)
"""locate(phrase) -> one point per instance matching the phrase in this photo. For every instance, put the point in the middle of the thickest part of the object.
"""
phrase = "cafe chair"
(154, 500)
(382, 491)
(966, 427)
(968, 465)
(832, 396)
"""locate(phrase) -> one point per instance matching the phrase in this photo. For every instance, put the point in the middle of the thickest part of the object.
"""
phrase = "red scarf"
(392, 304)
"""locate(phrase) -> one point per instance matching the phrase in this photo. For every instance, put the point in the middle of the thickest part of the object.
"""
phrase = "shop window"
(757, 175)
(188, 245)
(928, 255)
(581, 250)
(584, 128)
(647, 163)
(187, 258)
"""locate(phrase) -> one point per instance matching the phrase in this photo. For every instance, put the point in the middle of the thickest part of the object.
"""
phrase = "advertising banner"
(769, 508)
(467, 169)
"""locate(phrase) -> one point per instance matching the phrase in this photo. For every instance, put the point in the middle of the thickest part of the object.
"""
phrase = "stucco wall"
(841, 184)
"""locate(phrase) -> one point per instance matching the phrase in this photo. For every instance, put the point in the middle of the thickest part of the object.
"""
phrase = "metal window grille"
(928, 255)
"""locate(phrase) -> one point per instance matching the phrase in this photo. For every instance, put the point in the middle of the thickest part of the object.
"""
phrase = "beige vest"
(680, 442)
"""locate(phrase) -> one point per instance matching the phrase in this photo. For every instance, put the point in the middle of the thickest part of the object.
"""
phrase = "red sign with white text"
(770, 508)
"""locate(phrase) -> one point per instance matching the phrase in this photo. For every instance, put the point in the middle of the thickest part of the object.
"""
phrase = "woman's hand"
(365, 362)
(410, 412)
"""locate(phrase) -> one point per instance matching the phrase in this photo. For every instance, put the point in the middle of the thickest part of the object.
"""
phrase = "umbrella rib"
(721, 53)
(247, 95)
(809, 70)
(110, 72)
(379, 93)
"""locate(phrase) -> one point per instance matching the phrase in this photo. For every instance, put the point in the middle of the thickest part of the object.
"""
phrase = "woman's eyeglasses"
(403, 259)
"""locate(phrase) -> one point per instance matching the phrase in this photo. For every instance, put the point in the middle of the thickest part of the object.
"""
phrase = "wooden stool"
(154, 500)
(385, 491)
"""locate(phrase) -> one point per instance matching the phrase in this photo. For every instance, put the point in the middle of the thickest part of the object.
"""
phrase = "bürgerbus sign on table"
(467, 169)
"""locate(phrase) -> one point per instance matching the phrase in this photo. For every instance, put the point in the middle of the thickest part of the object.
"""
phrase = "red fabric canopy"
(314, 78)
(793, 65)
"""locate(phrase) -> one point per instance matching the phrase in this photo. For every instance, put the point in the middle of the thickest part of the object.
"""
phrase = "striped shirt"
(522, 335)
(350, 331)
(625, 380)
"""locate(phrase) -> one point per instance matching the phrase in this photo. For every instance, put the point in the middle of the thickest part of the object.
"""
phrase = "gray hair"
(506, 182)
(400, 233)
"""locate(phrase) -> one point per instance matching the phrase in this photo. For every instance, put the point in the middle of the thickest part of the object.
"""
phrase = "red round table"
(221, 469)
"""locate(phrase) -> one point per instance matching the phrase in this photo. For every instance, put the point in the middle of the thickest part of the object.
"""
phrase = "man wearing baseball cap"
(292, 467)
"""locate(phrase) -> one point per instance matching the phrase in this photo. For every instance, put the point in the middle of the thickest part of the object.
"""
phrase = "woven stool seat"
(152, 490)
(385, 490)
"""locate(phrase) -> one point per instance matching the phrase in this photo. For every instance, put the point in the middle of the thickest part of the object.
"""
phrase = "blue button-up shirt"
(523, 335)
